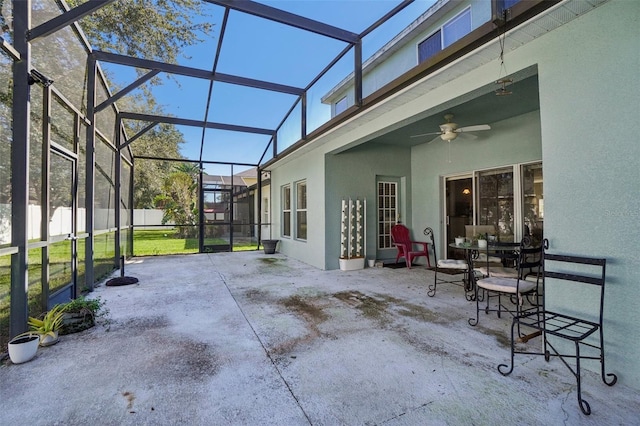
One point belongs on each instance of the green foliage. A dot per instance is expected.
(82, 304)
(49, 324)
(180, 201)
(150, 29)
(156, 30)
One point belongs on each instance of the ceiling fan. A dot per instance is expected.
(450, 130)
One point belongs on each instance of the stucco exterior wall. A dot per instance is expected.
(588, 126)
(353, 174)
(589, 96)
(310, 167)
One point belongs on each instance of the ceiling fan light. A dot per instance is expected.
(448, 136)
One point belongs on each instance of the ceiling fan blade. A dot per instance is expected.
(437, 138)
(468, 136)
(425, 134)
(473, 128)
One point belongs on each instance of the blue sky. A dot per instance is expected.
(260, 49)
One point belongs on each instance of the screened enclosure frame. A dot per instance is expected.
(25, 78)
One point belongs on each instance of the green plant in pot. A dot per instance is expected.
(48, 326)
(80, 314)
(482, 240)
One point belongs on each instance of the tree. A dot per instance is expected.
(162, 141)
(156, 30)
(150, 29)
(180, 201)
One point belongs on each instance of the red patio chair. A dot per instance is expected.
(402, 241)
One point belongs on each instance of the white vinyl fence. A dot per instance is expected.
(60, 223)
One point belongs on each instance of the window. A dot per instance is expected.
(456, 28)
(286, 211)
(511, 199)
(452, 31)
(265, 210)
(341, 105)
(495, 201)
(429, 47)
(301, 210)
(387, 212)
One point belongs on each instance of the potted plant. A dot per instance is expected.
(80, 314)
(23, 347)
(482, 240)
(459, 241)
(269, 246)
(47, 327)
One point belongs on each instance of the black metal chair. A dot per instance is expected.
(526, 282)
(447, 271)
(499, 260)
(577, 327)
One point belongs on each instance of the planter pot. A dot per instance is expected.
(269, 246)
(459, 241)
(482, 243)
(74, 322)
(372, 263)
(23, 348)
(48, 340)
(352, 264)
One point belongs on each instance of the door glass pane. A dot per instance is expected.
(533, 202)
(217, 207)
(387, 212)
(217, 236)
(60, 195)
(459, 199)
(62, 125)
(495, 201)
(217, 220)
(60, 272)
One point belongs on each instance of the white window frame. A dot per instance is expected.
(454, 20)
(340, 105)
(286, 211)
(442, 29)
(300, 208)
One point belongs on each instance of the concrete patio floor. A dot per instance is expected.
(252, 339)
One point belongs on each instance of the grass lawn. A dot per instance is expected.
(145, 243)
(164, 241)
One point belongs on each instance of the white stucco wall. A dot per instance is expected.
(588, 126)
(309, 167)
(590, 104)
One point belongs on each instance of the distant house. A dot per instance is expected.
(557, 84)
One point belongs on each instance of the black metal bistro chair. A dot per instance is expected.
(446, 271)
(513, 289)
(578, 326)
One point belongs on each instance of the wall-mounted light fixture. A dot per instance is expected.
(466, 191)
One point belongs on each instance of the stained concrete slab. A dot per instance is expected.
(255, 339)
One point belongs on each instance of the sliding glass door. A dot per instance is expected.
(496, 201)
(510, 198)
